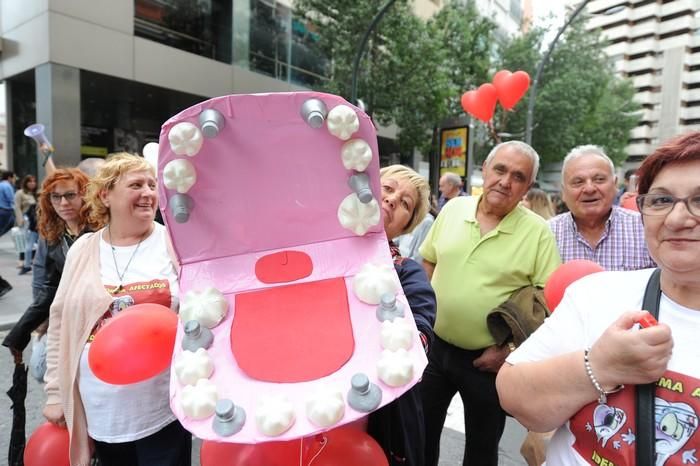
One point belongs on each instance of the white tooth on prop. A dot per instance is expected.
(179, 175)
(395, 368)
(185, 139)
(372, 281)
(356, 155)
(192, 366)
(342, 122)
(274, 415)
(396, 334)
(356, 216)
(199, 401)
(325, 408)
(150, 153)
(208, 307)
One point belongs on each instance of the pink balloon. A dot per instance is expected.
(480, 103)
(49, 444)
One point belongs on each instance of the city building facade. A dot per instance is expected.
(656, 44)
(103, 75)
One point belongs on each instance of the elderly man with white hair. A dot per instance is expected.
(594, 228)
(450, 186)
(479, 251)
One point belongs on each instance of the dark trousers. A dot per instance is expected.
(170, 446)
(451, 370)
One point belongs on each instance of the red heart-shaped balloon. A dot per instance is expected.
(480, 103)
(511, 87)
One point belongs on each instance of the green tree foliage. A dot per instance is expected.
(412, 72)
(579, 99)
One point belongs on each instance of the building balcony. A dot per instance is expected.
(677, 24)
(644, 80)
(644, 29)
(689, 113)
(646, 45)
(639, 149)
(647, 97)
(643, 132)
(644, 63)
(677, 6)
(690, 95)
(645, 11)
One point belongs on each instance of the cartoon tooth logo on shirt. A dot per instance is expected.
(607, 421)
(675, 424)
(605, 433)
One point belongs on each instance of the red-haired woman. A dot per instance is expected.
(582, 369)
(61, 221)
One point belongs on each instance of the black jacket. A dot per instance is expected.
(38, 311)
(398, 427)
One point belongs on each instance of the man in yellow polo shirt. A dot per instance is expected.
(478, 252)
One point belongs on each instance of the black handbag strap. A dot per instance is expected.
(645, 437)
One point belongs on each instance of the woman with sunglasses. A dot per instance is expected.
(61, 220)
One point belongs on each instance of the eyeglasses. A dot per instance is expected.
(662, 204)
(56, 198)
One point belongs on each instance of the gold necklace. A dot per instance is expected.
(119, 288)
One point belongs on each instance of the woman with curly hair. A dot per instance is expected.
(61, 220)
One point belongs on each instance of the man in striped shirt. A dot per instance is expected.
(595, 229)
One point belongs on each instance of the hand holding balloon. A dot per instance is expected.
(47, 445)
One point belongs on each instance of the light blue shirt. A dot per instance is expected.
(7, 195)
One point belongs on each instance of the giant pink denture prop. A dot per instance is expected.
(272, 204)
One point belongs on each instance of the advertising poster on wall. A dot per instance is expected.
(453, 150)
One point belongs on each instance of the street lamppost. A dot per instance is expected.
(540, 67)
(533, 90)
(361, 48)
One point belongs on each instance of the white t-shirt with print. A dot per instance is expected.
(123, 413)
(604, 434)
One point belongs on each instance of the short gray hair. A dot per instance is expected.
(522, 148)
(586, 149)
(453, 178)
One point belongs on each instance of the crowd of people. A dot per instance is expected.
(461, 260)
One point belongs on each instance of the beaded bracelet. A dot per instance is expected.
(602, 394)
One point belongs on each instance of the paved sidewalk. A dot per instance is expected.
(13, 304)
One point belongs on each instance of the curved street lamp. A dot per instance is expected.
(540, 67)
(533, 90)
(361, 48)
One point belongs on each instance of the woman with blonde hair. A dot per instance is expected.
(538, 201)
(398, 426)
(126, 262)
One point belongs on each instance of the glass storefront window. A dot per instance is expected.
(121, 115)
(202, 27)
(284, 47)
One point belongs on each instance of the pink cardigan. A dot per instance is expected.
(80, 301)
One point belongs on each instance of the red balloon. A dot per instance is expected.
(630, 203)
(480, 103)
(48, 445)
(343, 446)
(135, 345)
(564, 276)
(511, 87)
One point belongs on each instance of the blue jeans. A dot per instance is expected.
(451, 370)
(32, 238)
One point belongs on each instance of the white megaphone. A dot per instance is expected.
(36, 132)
